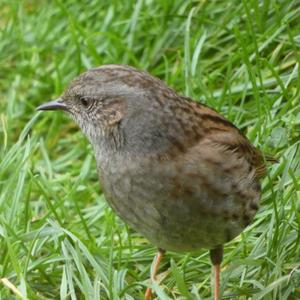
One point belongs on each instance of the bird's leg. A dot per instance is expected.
(216, 256)
(155, 263)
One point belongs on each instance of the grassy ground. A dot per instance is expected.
(58, 238)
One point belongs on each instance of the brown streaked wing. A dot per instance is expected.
(218, 129)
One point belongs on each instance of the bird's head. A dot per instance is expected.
(111, 98)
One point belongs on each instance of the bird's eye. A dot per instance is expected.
(84, 101)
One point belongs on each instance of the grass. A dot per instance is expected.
(59, 239)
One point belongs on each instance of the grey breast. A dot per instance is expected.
(184, 205)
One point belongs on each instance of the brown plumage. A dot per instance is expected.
(175, 170)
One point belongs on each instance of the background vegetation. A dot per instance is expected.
(58, 238)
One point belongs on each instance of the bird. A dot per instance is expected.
(177, 171)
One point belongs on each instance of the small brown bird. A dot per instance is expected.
(175, 170)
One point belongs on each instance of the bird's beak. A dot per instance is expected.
(57, 104)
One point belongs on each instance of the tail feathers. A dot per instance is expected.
(271, 159)
(261, 162)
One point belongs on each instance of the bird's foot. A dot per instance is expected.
(155, 265)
